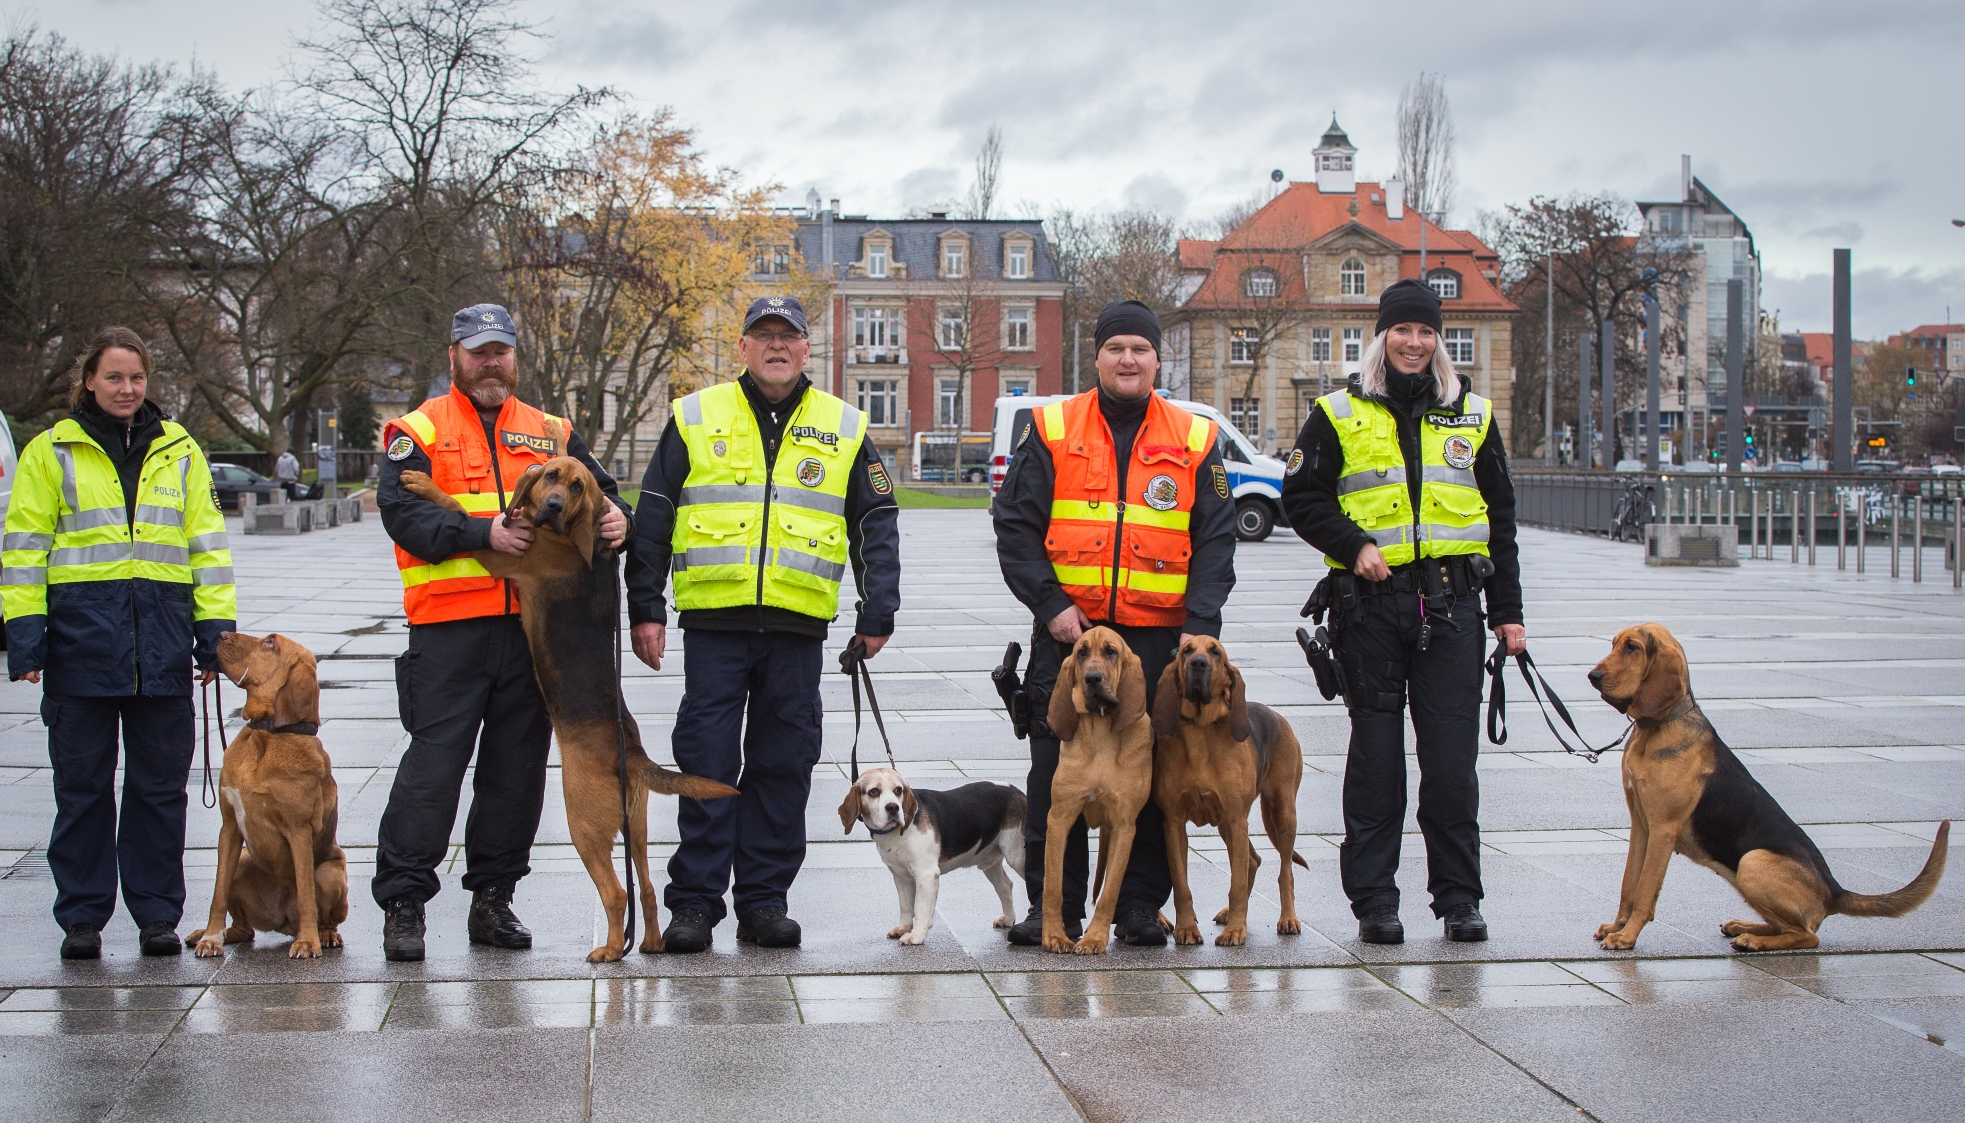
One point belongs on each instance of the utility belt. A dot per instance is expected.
(1341, 595)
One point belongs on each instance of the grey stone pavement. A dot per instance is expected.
(1843, 692)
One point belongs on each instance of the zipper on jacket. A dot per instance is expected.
(498, 481)
(764, 524)
(129, 528)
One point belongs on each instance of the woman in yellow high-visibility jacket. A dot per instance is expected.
(116, 577)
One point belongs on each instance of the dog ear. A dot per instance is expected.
(299, 696)
(1132, 693)
(1238, 703)
(849, 808)
(521, 503)
(1666, 679)
(910, 806)
(1166, 701)
(586, 528)
(1062, 716)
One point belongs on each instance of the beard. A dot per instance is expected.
(489, 388)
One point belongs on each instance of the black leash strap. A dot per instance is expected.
(1497, 706)
(627, 799)
(209, 795)
(853, 661)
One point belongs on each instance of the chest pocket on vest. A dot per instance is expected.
(1459, 502)
(451, 460)
(1158, 553)
(806, 530)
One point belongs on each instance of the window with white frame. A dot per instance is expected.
(1320, 345)
(955, 257)
(1459, 344)
(878, 328)
(771, 260)
(1259, 282)
(1354, 344)
(948, 394)
(880, 400)
(954, 325)
(1015, 385)
(877, 260)
(1351, 277)
(1242, 345)
(1017, 263)
(1016, 329)
(1245, 414)
(1445, 282)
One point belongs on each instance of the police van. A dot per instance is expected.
(1255, 480)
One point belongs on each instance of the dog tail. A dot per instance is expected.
(1907, 898)
(1298, 859)
(666, 782)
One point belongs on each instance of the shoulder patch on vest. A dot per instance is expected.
(544, 446)
(1162, 493)
(1220, 481)
(1296, 462)
(877, 476)
(1459, 451)
(401, 447)
(811, 473)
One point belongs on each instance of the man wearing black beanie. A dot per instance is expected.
(1401, 480)
(1116, 482)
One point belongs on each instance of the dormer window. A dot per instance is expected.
(1260, 283)
(1445, 283)
(1351, 277)
(955, 256)
(877, 259)
(1016, 260)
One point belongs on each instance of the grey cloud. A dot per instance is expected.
(1882, 301)
(927, 186)
(1841, 233)
(1154, 191)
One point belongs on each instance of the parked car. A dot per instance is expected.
(231, 480)
(1255, 480)
(7, 463)
(1787, 466)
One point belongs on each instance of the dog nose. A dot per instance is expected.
(1596, 677)
(893, 807)
(1094, 677)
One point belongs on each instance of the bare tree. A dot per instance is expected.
(1101, 258)
(989, 168)
(1426, 146)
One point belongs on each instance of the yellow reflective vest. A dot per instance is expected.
(1372, 486)
(743, 537)
(103, 603)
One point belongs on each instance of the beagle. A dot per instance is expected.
(923, 834)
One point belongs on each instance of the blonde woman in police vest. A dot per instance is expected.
(1401, 480)
(117, 579)
(761, 493)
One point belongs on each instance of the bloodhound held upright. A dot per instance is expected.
(567, 584)
(1689, 794)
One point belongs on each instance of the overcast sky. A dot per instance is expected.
(1822, 123)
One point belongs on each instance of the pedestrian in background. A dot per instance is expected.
(287, 470)
(117, 579)
(1401, 480)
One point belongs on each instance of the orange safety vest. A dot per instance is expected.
(450, 433)
(1123, 558)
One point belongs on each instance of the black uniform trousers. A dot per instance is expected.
(91, 843)
(1147, 883)
(464, 686)
(1443, 684)
(751, 718)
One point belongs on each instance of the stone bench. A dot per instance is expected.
(1679, 544)
(296, 518)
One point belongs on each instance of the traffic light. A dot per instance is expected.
(1910, 381)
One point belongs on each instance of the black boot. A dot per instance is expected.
(1029, 932)
(1465, 924)
(82, 942)
(492, 921)
(402, 930)
(767, 926)
(1380, 925)
(688, 931)
(1140, 927)
(160, 939)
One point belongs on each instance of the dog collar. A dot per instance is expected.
(302, 728)
(889, 830)
(1679, 709)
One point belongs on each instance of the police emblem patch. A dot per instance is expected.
(1296, 462)
(1162, 493)
(877, 476)
(811, 473)
(719, 448)
(1220, 481)
(401, 447)
(1459, 451)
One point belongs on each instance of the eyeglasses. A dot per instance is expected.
(769, 337)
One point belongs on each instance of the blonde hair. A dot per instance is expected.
(1371, 371)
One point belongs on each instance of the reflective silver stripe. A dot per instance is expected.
(809, 563)
(1438, 533)
(24, 575)
(849, 422)
(29, 540)
(810, 500)
(212, 575)
(722, 493)
(92, 555)
(66, 456)
(709, 555)
(183, 483)
(691, 408)
(1363, 481)
(1339, 405)
(159, 516)
(1458, 477)
(159, 552)
(90, 520)
(209, 543)
(1398, 535)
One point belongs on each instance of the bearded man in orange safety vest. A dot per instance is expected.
(466, 681)
(1116, 512)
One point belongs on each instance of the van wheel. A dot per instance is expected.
(1253, 522)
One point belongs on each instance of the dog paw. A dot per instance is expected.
(1606, 929)
(1618, 941)
(330, 938)
(1289, 926)
(913, 939)
(304, 947)
(1058, 943)
(207, 947)
(1221, 917)
(1735, 927)
(1234, 936)
(651, 944)
(1187, 935)
(1165, 924)
(1092, 943)
(899, 930)
(606, 953)
(1001, 922)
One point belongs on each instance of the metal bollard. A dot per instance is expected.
(1958, 541)
(1916, 539)
(1811, 524)
(1862, 530)
(1794, 528)
(1896, 546)
(1841, 532)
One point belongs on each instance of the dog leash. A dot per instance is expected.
(209, 796)
(1497, 705)
(853, 661)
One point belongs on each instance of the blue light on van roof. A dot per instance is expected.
(1016, 391)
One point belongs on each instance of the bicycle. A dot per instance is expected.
(1635, 510)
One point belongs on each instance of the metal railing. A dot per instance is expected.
(1798, 514)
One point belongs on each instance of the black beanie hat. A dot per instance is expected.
(1408, 302)
(1126, 317)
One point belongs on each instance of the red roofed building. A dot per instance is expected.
(1280, 310)
(1942, 346)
